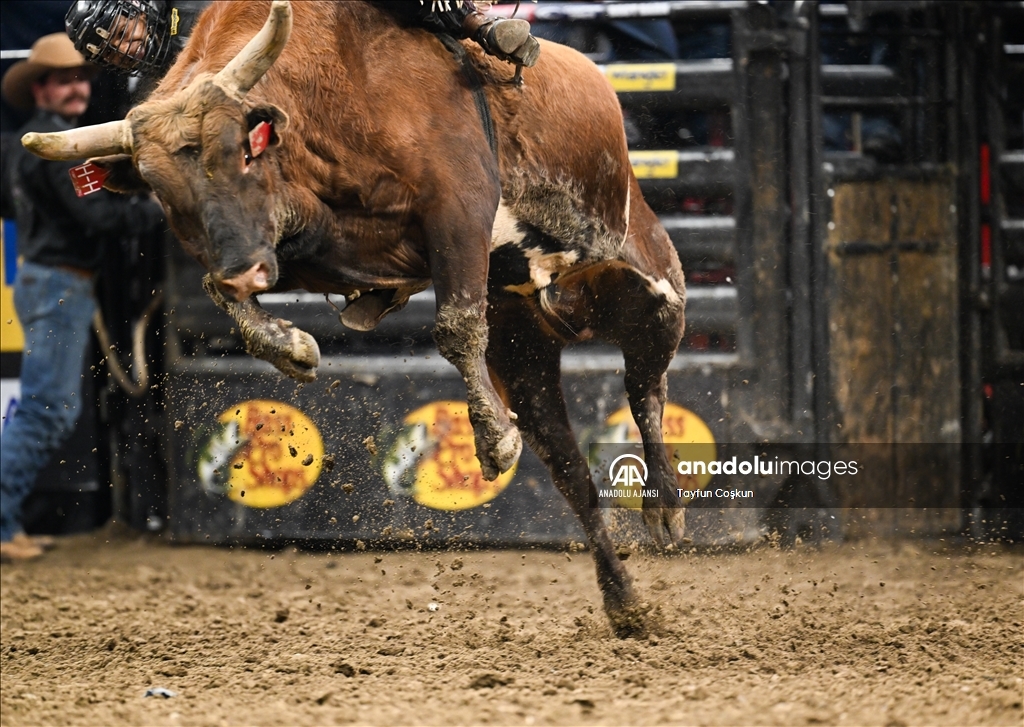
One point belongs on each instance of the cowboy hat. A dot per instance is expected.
(49, 53)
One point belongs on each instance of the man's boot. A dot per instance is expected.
(46, 542)
(18, 550)
(506, 38)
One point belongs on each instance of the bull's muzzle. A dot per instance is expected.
(256, 279)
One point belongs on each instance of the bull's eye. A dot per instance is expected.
(248, 157)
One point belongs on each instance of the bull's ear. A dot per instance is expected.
(277, 119)
(122, 175)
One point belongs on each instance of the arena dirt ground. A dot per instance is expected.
(864, 633)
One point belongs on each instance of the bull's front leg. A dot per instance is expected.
(292, 351)
(459, 267)
(461, 335)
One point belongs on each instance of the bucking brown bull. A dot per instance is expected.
(339, 152)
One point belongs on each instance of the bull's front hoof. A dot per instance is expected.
(507, 452)
(502, 456)
(300, 359)
(667, 525)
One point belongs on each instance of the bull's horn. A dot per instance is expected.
(113, 137)
(259, 54)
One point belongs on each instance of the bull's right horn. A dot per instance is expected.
(113, 137)
(259, 54)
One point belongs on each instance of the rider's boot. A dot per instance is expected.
(506, 38)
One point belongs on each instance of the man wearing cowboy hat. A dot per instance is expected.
(61, 240)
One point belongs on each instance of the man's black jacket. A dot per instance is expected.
(56, 227)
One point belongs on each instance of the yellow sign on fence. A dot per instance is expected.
(12, 339)
(626, 77)
(433, 459)
(261, 453)
(654, 164)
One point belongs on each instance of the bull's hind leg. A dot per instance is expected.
(643, 316)
(525, 361)
(647, 391)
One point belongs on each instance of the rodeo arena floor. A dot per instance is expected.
(859, 633)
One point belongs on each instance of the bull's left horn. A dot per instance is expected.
(113, 137)
(259, 54)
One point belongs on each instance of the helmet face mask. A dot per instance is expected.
(129, 35)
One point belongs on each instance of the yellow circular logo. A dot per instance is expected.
(263, 454)
(685, 434)
(433, 459)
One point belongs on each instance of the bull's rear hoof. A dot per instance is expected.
(629, 622)
(667, 525)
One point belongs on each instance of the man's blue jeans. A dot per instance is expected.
(55, 308)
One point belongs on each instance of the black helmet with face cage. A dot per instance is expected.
(128, 35)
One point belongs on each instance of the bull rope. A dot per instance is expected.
(476, 85)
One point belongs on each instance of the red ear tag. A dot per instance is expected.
(259, 138)
(88, 178)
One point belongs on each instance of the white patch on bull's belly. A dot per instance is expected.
(506, 228)
(544, 266)
(543, 269)
(543, 263)
(662, 287)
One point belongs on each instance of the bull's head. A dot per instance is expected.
(192, 149)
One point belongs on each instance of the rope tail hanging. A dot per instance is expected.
(133, 388)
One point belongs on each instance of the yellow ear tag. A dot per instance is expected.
(174, 21)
